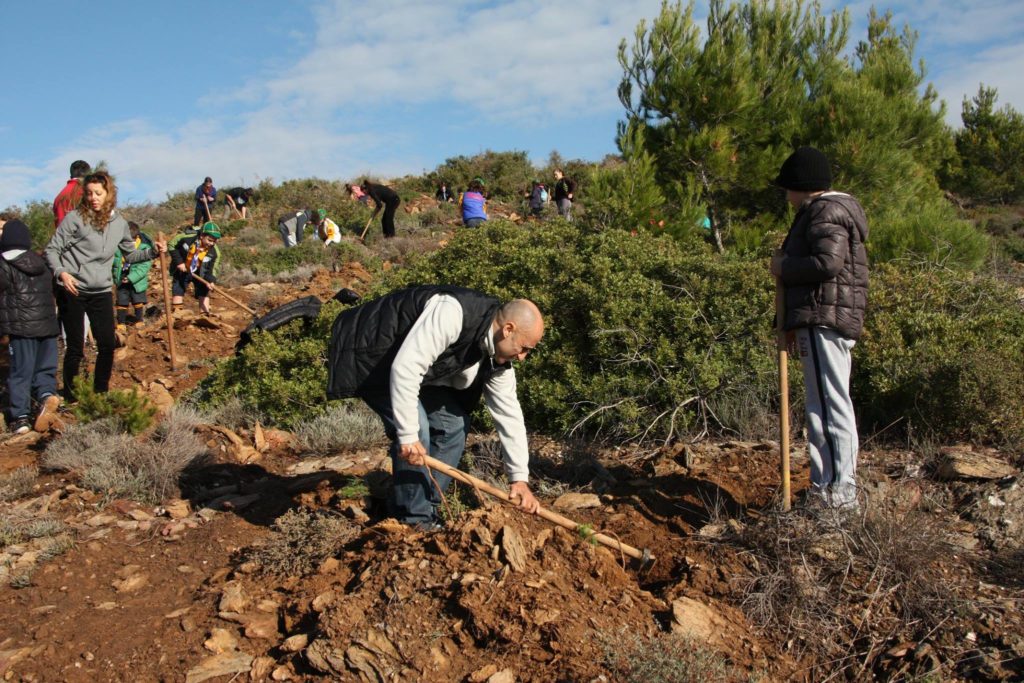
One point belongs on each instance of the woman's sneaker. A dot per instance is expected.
(48, 417)
(21, 426)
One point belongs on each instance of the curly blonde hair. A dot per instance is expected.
(100, 218)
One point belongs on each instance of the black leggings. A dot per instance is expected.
(100, 309)
(387, 221)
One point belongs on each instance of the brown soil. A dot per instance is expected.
(171, 593)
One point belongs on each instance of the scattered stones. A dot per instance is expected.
(177, 509)
(221, 640)
(261, 667)
(311, 465)
(577, 501)
(220, 665)
(233, 598)
(961, 462)
(100, 520)
(503, 676)
(483, 673)
(295, 643)
(512, 547)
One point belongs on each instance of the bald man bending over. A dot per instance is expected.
(421, 358)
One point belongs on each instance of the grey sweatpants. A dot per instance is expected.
(832, 442)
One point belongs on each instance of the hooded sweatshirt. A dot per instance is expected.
(88, 253)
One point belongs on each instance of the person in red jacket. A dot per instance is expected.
(71, 196)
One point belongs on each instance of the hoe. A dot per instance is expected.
(644, 556)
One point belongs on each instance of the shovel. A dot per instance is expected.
(168, 308)
(362, 235)
(780, 342)
(215, 288)
(644, 556)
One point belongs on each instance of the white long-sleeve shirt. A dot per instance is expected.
(437, 328)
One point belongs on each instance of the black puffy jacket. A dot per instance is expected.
(26, 297)
(365, 339)
(825, 269)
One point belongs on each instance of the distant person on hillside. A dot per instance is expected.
(70, 197)
(537, 197)
(29, 319)
(327, 231)
(473, 204)
(565, 191)
(383, 196)
(206, 197)
(356, 193)
(195, 255)
(823, 269)
(292, 226)
(132, 281)
(444, 194)
(238, 199)
(81, 255)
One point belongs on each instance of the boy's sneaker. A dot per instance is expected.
(48, 417)
(21, 426)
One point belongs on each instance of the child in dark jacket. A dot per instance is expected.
(195, 255)
(28, 316)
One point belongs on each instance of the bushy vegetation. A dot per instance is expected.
(109, 461)
(345, 424)
(127, 410)
(990, 149)
(647, 339)
(302, 541)
(721, 109)
(943, 353)
(667, 658)
(280, 377)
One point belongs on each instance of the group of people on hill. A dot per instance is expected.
(472, 202)
(67, 288)
(422, 357)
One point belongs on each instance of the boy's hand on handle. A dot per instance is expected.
(527, 501)
(182, 267)
(161, 246)
(68, 281)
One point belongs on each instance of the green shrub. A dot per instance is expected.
(271, 260)
(130, 411)
(280, 377)
(667, 658)
(648, 339)
(943, 351)
(303, 540)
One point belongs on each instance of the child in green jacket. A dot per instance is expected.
(132, 281)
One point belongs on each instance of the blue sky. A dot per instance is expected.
(170, 92)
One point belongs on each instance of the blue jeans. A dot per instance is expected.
(444, 424)
(33, 371)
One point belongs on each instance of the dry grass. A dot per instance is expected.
(303, 540)
(344, 426)
(17, 483)
(232, 414)
(47, 536)
(668, 658)
(121, 466)
(829, 583)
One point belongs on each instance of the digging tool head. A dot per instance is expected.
(647, 561)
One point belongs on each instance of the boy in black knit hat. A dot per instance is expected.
(28, 316)
(823, 268)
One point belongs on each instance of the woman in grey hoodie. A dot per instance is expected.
(81, 255)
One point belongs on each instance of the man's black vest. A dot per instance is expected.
(366, 339)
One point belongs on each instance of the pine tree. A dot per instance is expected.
(991, 150)
(720, 113)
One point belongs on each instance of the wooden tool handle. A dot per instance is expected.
(552, 517)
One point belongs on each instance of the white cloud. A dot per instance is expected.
(999, 67)
(520, 62)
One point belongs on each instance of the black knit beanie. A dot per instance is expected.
(16, 236)
(807, 170)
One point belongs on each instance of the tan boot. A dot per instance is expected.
(48, 417)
